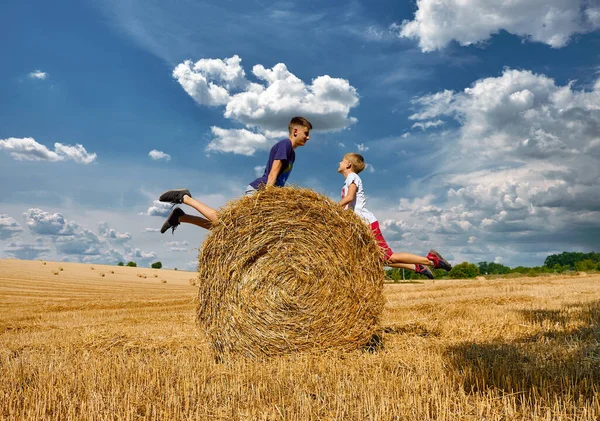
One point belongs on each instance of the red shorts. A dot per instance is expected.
(385, 249)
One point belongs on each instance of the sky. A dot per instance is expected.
(479, 120)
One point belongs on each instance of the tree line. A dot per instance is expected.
(554, 263)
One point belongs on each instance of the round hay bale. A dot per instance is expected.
(288, 270)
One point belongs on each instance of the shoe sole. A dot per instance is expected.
(166, 228)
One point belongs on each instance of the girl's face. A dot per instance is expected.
(344, 165)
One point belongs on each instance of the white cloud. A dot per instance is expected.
(522, 169)
(239, 141)
(259, 170)
(110, 234)
(38, 74)
(72, 241)
(361, 147)
(29, 150)
(178, 246)
(27, 250)
(553, 22)
(142, 258)
(159, 209)
(44, 223)
(151, 230)
(265, 107)
(156, 155)
(202, 80)
(9, 227)
(75, 153)
(427, 124)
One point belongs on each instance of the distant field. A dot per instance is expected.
(94, 342)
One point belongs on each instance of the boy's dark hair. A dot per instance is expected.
(299, 121)
(357, 161)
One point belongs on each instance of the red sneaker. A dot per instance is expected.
(424, 270)
(438, 261)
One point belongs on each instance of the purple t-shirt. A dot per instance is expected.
(281, 151)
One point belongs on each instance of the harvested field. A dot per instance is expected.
(80, 346)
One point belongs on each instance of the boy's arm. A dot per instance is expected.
(350, 195)
(275, 168)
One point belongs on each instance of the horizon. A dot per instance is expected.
(480, 122)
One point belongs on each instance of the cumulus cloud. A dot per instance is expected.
(141, 257)
(361, 147)
(156, 155)
(45, 223)
(177, 246)
(239, 141)
(525, 167)
(151, 230)
(265, 106)
(110, 234)
(553, 22)
(72, 241)
(159, 209)
(9, 227)
(27, 149)
(27, 250)
(427, 125)
(38, 74)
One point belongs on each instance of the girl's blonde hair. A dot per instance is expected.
(357, 161)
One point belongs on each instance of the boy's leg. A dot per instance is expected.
(204, 209)
(196, 220)
(177, 216)
(184, 196)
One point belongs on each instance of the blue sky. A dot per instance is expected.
(480, 120)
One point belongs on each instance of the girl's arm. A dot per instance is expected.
(350, 195)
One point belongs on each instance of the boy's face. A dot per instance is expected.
(344, 165)
(301, 135)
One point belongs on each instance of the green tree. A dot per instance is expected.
(492, 268)
(121, 264)
(132, 264)
(570, 259)
(587, 264)
(464, 270)
(156, 265)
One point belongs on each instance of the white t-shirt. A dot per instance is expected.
(359, 204)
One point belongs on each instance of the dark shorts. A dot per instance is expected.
(387, 251)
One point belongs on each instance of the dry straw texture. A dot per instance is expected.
(288, 270)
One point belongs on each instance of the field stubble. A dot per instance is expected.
(81, 346)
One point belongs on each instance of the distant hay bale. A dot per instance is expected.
(288, 270)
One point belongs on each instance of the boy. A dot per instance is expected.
(353, 197)
(279, 166)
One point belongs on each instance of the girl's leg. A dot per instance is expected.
(407, 266)
(420, 269)
(408, 258)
